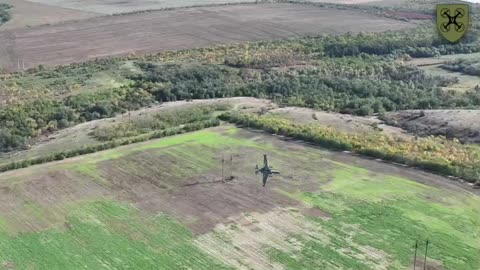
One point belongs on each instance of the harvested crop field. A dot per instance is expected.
(161, 205)
(27, 14)
(113, 6)
(152, 32)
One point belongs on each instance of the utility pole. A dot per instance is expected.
(425, 261)
(246, 56)
(231, 167)
(415, 255)
(225, 54)
(223, 168)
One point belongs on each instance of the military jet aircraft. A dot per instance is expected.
(266, 170)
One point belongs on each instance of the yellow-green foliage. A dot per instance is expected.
(434, 153)
(158, 121)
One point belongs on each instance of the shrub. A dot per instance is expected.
(447, 157)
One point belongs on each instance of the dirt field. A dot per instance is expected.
(347, 2)
(152, 32)
(461, 124)
(344, 122)
(112, 7)
(432, 67)
(387, 3)
(135, 204)
(27, 14)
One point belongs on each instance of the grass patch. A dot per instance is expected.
(90, 170)
(391, 213)
(143, 124)
(184, 148)
(106, 235)
(316, 255)
(203, 137)
(437, 154)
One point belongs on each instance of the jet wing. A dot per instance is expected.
(265, 177)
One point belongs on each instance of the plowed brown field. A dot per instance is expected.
(152, 32)
(162, 204)
(27, 14)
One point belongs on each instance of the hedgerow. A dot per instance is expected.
(437, 154)
(108, 145)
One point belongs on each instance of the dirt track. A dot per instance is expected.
(460, 124)
(152, 32)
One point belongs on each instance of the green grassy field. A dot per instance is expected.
(390, 214)
(127, 208)
(107, 235)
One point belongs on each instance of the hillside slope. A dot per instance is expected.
(162, 204)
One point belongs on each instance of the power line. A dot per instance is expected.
(425, 261)
(415, 255)
(231, 167)
(223, 168)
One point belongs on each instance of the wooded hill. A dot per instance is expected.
(358, 74)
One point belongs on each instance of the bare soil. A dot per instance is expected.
(152, 32)
(202, 201)
(240, 209)
(24, 201)
(152, 180)
(429, 265)
(251, 233)
(343, 122)
(113, 6)
(347, 2)
(27, 14)
(461, 124)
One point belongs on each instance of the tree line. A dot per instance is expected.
(447, 157)
(110, 144)
(4, 14)
(158, 121)
(466, 66)
(360, 85)
(356, 74)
